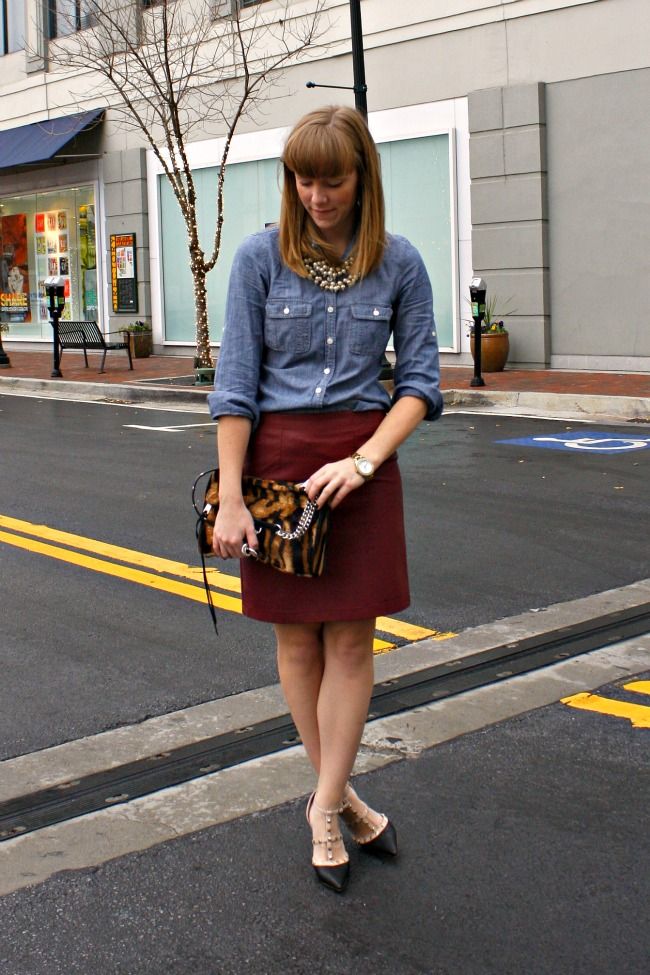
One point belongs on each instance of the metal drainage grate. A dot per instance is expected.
(145, 776)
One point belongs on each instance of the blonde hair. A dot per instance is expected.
(329, 142)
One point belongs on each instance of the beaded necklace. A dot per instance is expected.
(331, 278)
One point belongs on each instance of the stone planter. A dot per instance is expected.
(141, 344)
(494, 350)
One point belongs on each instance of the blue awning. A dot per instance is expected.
(41, 141)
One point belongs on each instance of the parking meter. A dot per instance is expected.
(55, 291)
(477, 292)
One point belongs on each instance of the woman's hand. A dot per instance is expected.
(332, 482)
(233, 528)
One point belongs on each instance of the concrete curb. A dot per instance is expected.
(565, 405)
(282, 777)
(579, 406)
(105, 392)
(51, 766)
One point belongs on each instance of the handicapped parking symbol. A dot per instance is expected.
(591, 441)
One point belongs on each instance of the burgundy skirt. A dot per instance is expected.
(365, 570)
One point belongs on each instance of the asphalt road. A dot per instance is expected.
(524, 849)
(494, 529)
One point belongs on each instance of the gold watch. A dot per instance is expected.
(363, 466)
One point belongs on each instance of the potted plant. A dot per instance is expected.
(495, 344)
(140, 337)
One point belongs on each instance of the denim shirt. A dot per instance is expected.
(289, 345)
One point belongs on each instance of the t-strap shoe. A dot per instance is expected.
(334, 873)
(373, 832)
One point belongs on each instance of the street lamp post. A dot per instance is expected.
(360, 89)
(358, 64)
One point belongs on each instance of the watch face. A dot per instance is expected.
(364, 467)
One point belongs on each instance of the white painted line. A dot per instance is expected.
(175, 429)
(452, 411)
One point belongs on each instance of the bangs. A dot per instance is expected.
(318, 150)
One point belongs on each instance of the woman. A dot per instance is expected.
(310, 310)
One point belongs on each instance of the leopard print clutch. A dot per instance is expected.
(291, 529)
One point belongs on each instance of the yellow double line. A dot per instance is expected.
(155, 572)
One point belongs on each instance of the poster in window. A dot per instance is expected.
(124, 279)
(14, 269)
(51, 238)
(88, 259)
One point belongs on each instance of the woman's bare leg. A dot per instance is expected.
(327, 674)
(300, 667)
(343, 703)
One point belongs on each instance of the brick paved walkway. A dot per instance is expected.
(38, 365)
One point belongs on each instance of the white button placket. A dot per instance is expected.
(330, 334)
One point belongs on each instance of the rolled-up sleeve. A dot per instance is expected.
(238, 367)
(417, 367)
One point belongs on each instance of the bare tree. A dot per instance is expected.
(165, 66)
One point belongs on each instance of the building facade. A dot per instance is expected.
(515, 144)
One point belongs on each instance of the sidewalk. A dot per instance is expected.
(623, 396)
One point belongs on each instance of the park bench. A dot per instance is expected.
(87, 337)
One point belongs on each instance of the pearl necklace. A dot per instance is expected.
(331, 278)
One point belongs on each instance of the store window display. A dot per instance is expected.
(42, 235)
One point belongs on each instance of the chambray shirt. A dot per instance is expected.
(289, 345)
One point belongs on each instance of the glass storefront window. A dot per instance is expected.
(252, 200)
(417, 187)
(45, 234)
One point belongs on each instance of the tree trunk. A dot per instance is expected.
(203, 357)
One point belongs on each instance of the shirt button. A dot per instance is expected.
(375, 312)
(330, 341)
(318, 390)
(286, 311)
(327, 371)
(330, 309)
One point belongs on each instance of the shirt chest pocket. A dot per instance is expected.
(370, 329)
(287, 326)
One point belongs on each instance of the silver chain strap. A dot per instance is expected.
(305, 521)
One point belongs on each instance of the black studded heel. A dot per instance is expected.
(372, 837)
(334, 875)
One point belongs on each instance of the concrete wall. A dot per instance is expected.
(510, 214)
(599, 218)
(126, 212)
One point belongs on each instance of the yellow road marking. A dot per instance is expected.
(380, 646)
(122, 572)
(179, 569)
(638, 686)
(65, 541)
(408, 630)
(230, 603)
(637, 714)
